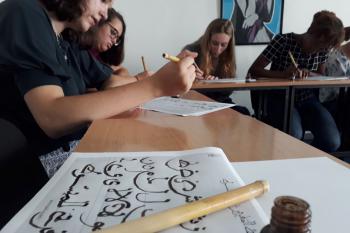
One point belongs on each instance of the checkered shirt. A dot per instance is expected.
(277, 53)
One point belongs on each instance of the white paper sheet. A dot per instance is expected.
(184, 107)
(322, 182)
(326, 78)
(96, 190)
(229, 80)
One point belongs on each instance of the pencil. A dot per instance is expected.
(176, 59)
(143, 63)
(293, 60)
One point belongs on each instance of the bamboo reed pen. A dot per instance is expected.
(144, 64)
(176, 59)
(293, 60)
(172, 217)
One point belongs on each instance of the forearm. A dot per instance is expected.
(66, 114)
(118, 80)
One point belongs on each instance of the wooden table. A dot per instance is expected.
(270, 84)
(241, 137)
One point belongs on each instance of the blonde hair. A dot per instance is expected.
(227, 60)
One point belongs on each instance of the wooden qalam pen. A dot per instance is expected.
(293, 60)
(176, 59)
(172, 217)
(171, 58)
(143, 63)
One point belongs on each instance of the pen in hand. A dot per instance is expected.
(176, 59)
(302, 73)
(143, 63)
(293, 61)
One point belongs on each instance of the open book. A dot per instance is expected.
(92, 191)
(184, 107)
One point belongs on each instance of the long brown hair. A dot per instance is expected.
(227, 60)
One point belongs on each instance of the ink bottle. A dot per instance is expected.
(289, 215)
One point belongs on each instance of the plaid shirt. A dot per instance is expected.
(277, 53)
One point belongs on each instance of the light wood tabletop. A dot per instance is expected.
(241, 137)
(268, 83)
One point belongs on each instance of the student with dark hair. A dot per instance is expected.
(44, 78)
(216, 57)
(310, 51)
(105, 42)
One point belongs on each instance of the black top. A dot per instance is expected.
(30, 56)
(220, 96)
(277, 53)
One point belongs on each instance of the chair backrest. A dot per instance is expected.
(13, 143)
(21, 173)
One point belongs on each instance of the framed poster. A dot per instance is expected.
(255, 21)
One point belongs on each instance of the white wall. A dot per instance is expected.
(157, 26)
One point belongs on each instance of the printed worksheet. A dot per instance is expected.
(229, 80)
(326, 78)
(184, 107)
(92, 191)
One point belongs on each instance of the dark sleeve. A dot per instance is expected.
(192, 47)
(195, 47)
(29, 79)
(273, 50)
(27, 39)
(93, 71)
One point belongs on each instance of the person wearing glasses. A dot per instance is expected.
(216, 58)
(44, 78)
(105, 42)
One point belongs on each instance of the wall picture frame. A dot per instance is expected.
(255, 21)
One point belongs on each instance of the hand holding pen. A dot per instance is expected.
(199, 72)
(295, 71)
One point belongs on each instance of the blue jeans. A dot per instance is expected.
(307, 115)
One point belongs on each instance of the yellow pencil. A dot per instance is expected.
(143, 63)
(176, 59)
(293, 60)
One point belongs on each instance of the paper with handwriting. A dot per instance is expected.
(92, 191)
(184, 107)
(228, 80)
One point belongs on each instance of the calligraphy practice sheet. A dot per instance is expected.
(229, 80)
(92, 191)
(325, 78)
(184, 107)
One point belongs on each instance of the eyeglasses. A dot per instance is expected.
(114, 34)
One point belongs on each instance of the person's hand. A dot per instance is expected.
(199, 74)
(211, 77)
(249, 21)
(303, 73)
(176, 78)
(143, 75)
(294, 73)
